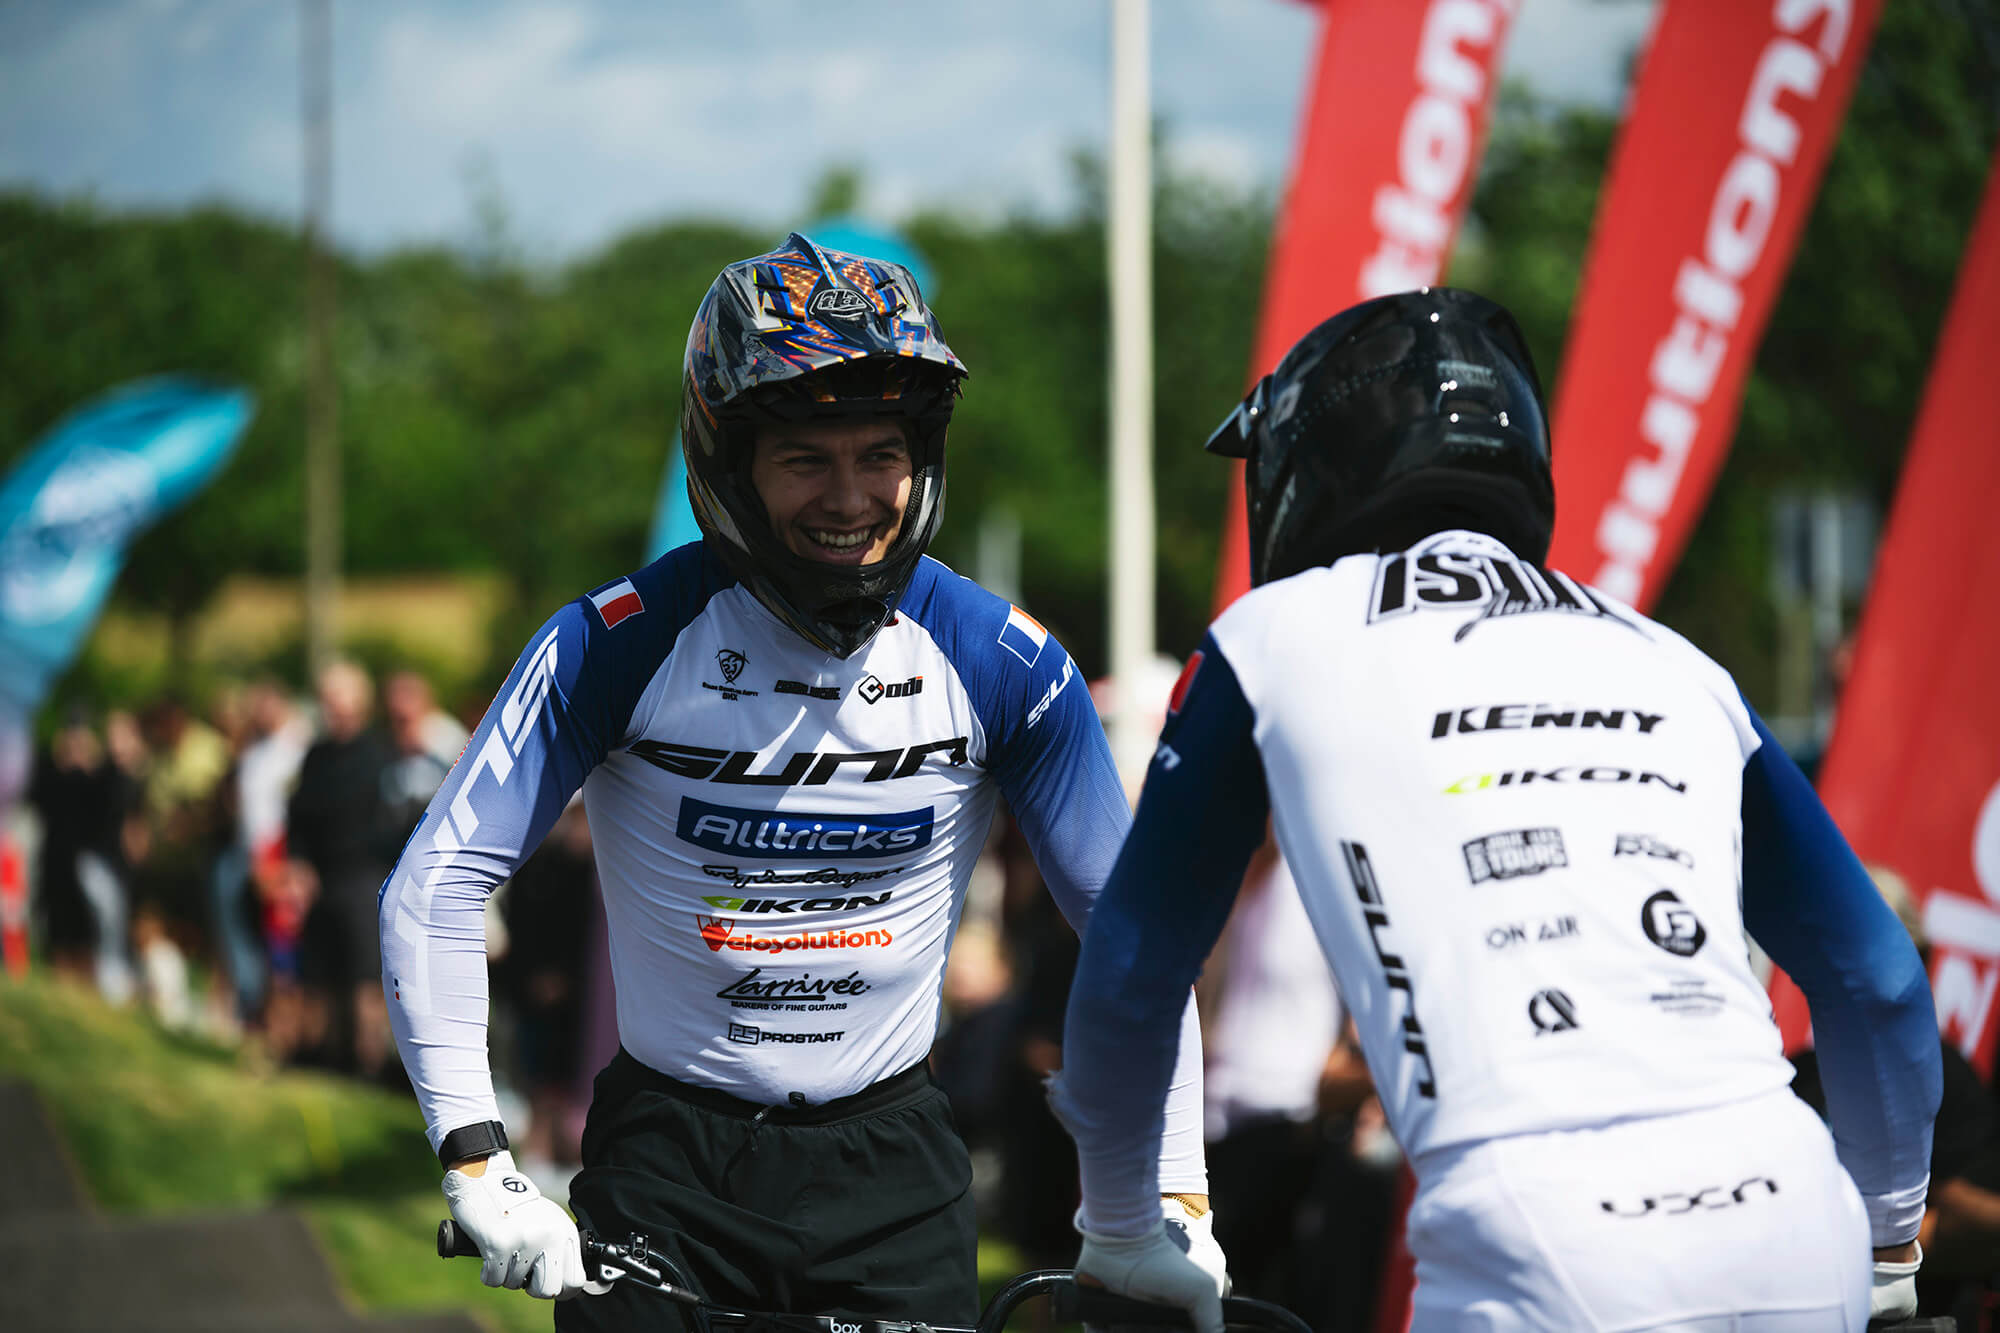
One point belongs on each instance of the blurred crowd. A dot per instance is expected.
(223, 870)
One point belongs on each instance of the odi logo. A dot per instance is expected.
(796, 835)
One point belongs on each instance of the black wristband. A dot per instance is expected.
(481, 1140)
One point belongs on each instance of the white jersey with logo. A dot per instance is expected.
(1520, 855)
(783, 837)
(1532, 830)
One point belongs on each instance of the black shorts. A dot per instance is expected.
(861, 1206)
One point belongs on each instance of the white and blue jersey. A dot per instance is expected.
(1530, 827)
(783, 837)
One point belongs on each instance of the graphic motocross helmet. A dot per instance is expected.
(804, 333)
(1394, 419)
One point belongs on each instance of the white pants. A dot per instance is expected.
(1735, 1219)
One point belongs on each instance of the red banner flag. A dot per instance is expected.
(1736, 109)
(1912, 771)
(1394, 127)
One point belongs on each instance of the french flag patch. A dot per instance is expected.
(1023, 635)
(617, 601)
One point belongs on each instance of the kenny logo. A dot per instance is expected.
(1517, 852)
(1459, 581)
(805, 768)
(798, 835)
(1568, 773)
(1533, 717)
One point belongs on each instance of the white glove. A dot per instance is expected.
(1894, 1295)
(1200, 1233)
(1179, 1264)
(524, 1239)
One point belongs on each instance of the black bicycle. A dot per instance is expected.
(636, 1261)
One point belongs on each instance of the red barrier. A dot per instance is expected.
(1716, 168)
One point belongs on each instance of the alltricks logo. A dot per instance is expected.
(1413, 215)
(1708, 289)
(794, 835)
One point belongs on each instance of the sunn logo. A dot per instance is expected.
(1708, 1200)
(1394, 975)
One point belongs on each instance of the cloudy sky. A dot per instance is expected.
(592, 116)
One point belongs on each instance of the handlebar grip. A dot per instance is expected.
(454, 1243)
(1073, 1302)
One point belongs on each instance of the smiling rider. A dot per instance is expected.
(791, 737)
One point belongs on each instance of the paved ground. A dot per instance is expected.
(71, 1270)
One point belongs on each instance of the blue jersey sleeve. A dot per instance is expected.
(1201, 816)
(1808, 901)
(1045, 744)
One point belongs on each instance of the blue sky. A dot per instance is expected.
(589, 118)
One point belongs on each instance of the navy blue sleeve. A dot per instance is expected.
(1045, 743)
(1811, 905)
(1201, 817)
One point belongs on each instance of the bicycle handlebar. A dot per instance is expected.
(1070, 1301)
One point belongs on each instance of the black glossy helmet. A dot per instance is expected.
(800, 334)
(1394, 419)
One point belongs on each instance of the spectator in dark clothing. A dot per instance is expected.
(334, 824)
(416, 768)
(84, 799)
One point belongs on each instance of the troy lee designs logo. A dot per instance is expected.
(1459, 581)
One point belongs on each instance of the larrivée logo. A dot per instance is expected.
(800, 835)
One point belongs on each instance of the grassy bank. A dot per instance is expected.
(159, 1123)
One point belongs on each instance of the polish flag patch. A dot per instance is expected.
(1023, 635)
(617, 601)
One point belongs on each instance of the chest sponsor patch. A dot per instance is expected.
(801, 835)
(1517, 852)
(720, 932)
